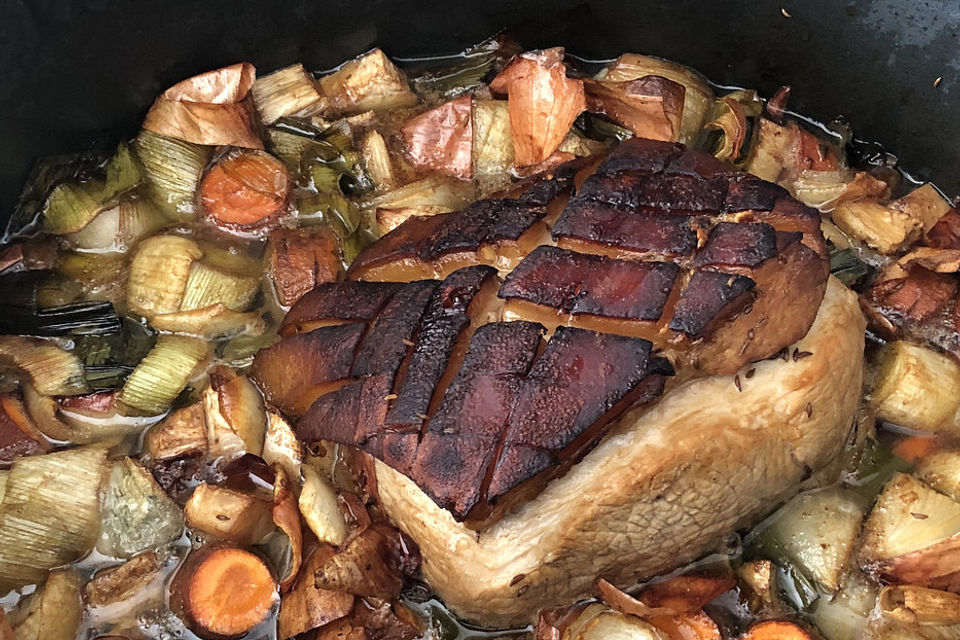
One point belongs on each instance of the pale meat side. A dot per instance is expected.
(662, 489)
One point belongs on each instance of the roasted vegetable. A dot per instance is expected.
(916, 387)
(71, 207)
(51, 370)
(231, 515)
(225, 591)
(163, 374)
(137, 514)
(234, 412)
(182, 433)
(307, 607)
(120, 227)
(281, 447)
(817, 532)
(286, 517)
(53, 612)
(370, 82)
(321, 508)
(297, 260)
(172, 169)
(543, 103)
(211, 108)
(245, 190)
(376, 160)
(49, 514)
(288, 91)
(441, 139)
(124, 582)
(492, 140)
(159, 273)
(649, 106)
(912, 535)
(697, 97)
(883, 228)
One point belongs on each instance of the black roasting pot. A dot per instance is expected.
(78, 74)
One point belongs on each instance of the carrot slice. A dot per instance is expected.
(244, 189)
(228, 591)
(775, 630)
(914, 448)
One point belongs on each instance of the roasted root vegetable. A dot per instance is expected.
(234, 408)
(916, 387)
(163, 374)
(286, 92)
(306, 606)
(441, 139)
(824, 190)
(297, 260)
(321, 508)
(49, 514)
(213, 322)
(159, 272)
(776, 630)
(281, 447)
(941, 469)
(919, 605)
(225, 591)
(245, 190)
(376, 160)
(883, 228)
(212, 108)
(137, 515)
(492, 141)
(370, 82)
(926, 204)
(781, 152)
(53, 612)
(597, 622)
(912, 535)
(116, 584)
(286, 517)
(373, 564)
(51, 370)
(543, 103)
(182, 433)
(230, 515)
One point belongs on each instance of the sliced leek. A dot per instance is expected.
(916, 387)
(123, 173)
(285, 92)
(376, 159)
(492, 141)
(159, 273)
(51, 370)
(215, 322)
(71, 206)
(137, 514)
(50, 513)
(163, 374)
(172, 170)
(370, 82)
(208, 285)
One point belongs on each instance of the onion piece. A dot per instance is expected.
(650, 106)
(49, 514)
(697, 98)
(925, 203)
(53, 612)
(543, 103)
(885, 229)
(441, 139)
(286, 517)
(233, 403)
(51, 370)
(321, 509)
(281, 448)
(913, 535)
(434, 190)
(211, 108)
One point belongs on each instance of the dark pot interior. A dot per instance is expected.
(76, 74)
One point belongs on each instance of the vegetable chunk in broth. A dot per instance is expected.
(358, 354)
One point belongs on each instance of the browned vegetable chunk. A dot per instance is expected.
(300, 368)
(650, 106)
(300, 259)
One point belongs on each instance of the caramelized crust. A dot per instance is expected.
(659, 248)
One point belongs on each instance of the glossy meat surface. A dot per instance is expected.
(498, 344)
